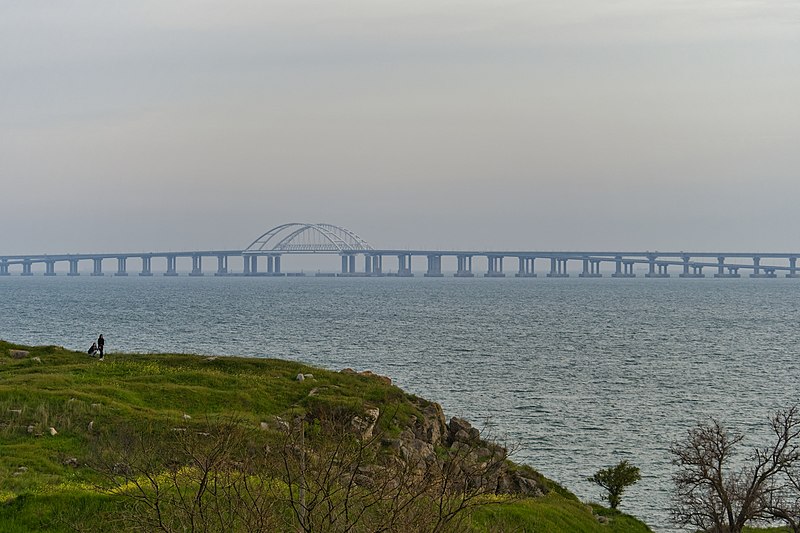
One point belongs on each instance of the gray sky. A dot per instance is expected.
(634, 124)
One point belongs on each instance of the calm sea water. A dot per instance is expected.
(579, 373)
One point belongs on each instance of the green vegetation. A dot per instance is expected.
(615, 480)
(47, 484)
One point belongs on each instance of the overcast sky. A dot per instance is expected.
(633, 124)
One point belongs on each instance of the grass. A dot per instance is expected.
(41, 488)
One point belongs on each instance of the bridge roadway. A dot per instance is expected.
(267, 262)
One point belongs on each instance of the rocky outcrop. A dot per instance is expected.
(18, 354)
(429, 442)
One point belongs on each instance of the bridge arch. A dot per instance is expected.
(299, 237)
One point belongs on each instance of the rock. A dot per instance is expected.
(283, 425)
(461, 436)
(186, 417)
(30, 429)
(36, 359)
(18, 354)
(212, 358)
(97, 405)
(602, 519)
(90, 427)
(308, 376)
(386, 380)
(22, 469)
(457, 424)
(71, 461)
(53, 431)
(264, 426)
(432, 427)
(366, 425)
(300, 377)
(348, 371)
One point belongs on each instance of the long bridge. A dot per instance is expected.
(263, 258)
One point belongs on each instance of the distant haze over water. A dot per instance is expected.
(581, 373)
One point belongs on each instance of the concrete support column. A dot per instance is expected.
(277, 264)
(377, 264)
(352, 264)
(270, 264)
(434, 266)
(222, 265)
(26, 267)
(98, 266)
(553, 268)
(246, 265)
(49, 268)
(146, 266)
(367, 264)
(4, 268)
(652, 270)
(756, 266)
(172, 266)
(344, 264)
(73, 268)
(197, 265)
(254, 265)
(792, 268)
(122, 263)
(464, 267)
(686, 264)
(720, 265)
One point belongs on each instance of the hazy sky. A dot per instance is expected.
(569, 124)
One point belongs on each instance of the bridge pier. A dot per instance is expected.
(792, 268)
(732, 272)
(367, 264)
(4, 268)
(495, 270)
(73, 268)
(172, 269)
(97, 269)
(122, 266)
(404, 266)
(623, 269)
(591, 268)
(377, 265)
(526, 268)
(197, 265)
(558, 268)
(434, 267)
(49, 268)
(768, 272)
(26, 267)
(349, 265)
(146, 272)
(696, 270)
(464, 267)
(653, 266)
(222, 265)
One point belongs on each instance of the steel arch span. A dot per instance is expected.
(299, 238)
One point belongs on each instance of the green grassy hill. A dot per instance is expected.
(57, 406)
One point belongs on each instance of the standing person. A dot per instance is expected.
(100, 344)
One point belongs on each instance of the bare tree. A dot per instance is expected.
(712, 495)
(338, 481)
(208, 478)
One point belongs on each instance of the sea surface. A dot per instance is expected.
(576, 374)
